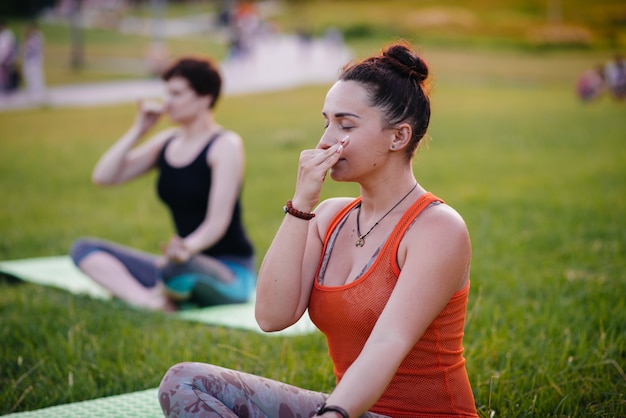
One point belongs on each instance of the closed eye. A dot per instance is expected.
(342, 120)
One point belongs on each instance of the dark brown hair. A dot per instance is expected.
(396, 83)
(201, 74)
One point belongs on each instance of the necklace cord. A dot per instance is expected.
(361, 240)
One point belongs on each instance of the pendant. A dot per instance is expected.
(359, 242)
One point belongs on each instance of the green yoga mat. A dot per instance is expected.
(60, 272)
(142, 404)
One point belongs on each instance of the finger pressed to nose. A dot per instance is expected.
(326, 141)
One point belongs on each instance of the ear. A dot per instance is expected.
(401, 136)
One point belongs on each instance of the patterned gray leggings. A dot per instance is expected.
(206, 391)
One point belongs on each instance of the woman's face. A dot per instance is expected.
(347, 112)
(182, 102)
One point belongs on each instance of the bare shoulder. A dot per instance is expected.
(230, 139)
(439, 224)
(444, 216)
(326, 211)
(228, 147)
(330, 207)
(164, 135)
(156, 142)
(439, 240)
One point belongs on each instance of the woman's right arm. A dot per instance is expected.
(284, 280)
(123, 161)
(286, 275)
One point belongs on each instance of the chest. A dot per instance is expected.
(345, 261)
(179, 154)
(185, 185)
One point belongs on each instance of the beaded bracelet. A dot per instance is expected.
(288, 208)
(330, 408)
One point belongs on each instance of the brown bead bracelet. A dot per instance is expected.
(331, 408)
(288, 208)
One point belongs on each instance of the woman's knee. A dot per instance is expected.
(183, 374)
(177, 386)
(173, 375)
(81, 248)
(170, 386)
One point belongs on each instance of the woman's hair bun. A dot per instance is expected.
(401, 57)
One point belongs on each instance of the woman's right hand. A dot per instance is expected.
(124, 160)
(148, 114)
(312, 170)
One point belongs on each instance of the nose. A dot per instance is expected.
(328, 140)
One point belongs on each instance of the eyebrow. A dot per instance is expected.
(343, 115)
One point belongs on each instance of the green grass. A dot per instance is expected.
(539, 177)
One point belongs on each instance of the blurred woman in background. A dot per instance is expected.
(210, 259)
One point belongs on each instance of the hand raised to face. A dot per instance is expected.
(314, 164)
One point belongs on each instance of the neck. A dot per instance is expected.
(378, 198)
(360, 242)
(197, 128)
(390, 205)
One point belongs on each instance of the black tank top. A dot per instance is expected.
(185, 191)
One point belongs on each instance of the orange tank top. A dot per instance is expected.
(432, 380)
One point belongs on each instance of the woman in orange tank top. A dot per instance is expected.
(384, 276)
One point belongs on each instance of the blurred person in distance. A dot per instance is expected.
(32, 61)
(590, 84)
(9, 76)
(615, 76)
(210, 259)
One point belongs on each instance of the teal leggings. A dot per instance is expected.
(191, 283)
(202, 289)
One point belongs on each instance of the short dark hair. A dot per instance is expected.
(201, 73)
(396, 83)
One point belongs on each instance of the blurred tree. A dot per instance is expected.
(76, 35)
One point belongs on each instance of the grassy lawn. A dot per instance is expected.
(539, 177)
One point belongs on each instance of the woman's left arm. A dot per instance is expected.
(227, 161)
(434, 256)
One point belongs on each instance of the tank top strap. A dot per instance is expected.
(164, 147)
(341, 214)
(390, 250)
(331, 233)
(210, 143)
(212, 140)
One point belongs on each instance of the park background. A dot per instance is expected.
(539, 176)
